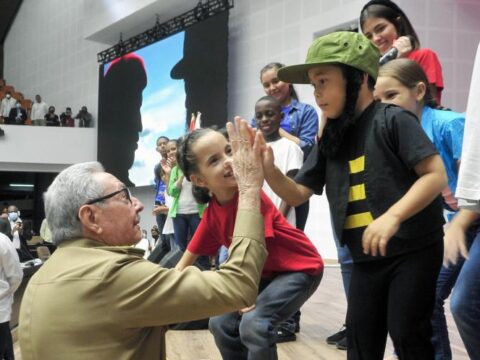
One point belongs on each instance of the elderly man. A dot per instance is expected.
(97, 298)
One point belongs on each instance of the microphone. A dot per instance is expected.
(393, 52)
(389, 55)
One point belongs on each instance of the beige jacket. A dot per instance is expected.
(90, 301)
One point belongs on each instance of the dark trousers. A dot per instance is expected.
(6, 343)
(161, 218)
(301, 215)
(393, 295)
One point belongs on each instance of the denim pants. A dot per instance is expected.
(465, 301)
(252, 335)
(345, 260)
(184, 226)
(447, 279)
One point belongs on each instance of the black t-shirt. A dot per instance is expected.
(358, 173)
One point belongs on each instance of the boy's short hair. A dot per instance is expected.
(340, 47)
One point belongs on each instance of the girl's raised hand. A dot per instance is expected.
(247, 161)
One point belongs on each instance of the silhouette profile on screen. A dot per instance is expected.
(204, 70)
(119, 117)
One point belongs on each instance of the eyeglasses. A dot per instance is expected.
(125, 190)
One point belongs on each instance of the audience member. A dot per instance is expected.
(387, 26)
(39, 110)
(382, 177)
(288, 155)
(159, 209)
(11, 275)
(51, 118)
(16, 225)
(85, 119)
(5, 227)
(8, 103)
(17, 115)
(288, 158)
(134, 299)
(185, 211)
(293, 269)
(66, 118)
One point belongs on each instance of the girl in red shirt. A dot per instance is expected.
(291, 273)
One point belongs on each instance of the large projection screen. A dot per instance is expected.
(153, 91)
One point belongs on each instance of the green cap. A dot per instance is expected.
(343, 47)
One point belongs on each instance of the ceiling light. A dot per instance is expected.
(21, 185)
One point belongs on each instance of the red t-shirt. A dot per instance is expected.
(289, 249)
(429, 62)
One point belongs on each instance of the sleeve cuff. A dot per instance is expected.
(249, 224)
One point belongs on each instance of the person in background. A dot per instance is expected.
(11, 275)
(159, 208)
(94, 221)
(387, 26)
(39, 110)
(402, 82)
(288, 158)
(85, 119)
(66, 118)
(5, 227)
(17, 115)
(51, 118)
(288, 155)
(7, 104)
(185, 211)
(16, 226)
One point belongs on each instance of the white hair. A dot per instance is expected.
(71, 189)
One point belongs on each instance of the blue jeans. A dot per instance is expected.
(252, 335)
(447, 279)
(345, 260)
(184, 226)
(465, 302)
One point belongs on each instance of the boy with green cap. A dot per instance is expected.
(382, 178)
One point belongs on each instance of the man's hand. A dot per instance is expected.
(246, 163)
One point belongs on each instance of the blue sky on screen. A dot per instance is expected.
(163, 106)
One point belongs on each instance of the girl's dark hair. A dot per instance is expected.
(390, 11)
(277, 66)
(334, 133)
(187, 160)
(409, 73)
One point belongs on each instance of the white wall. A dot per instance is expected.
(46, 149)
(45, 52)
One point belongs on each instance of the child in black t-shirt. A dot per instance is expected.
(382, 178)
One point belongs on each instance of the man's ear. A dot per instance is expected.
(421, 90)
(198, 180)
(88, 218)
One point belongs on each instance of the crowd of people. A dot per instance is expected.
(40, 114)
(394, 165)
